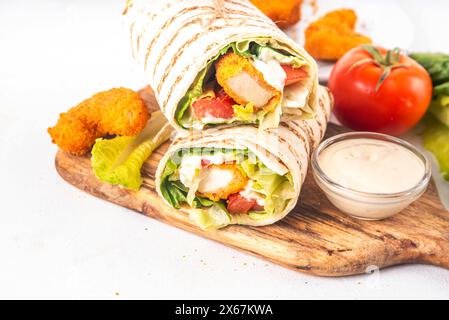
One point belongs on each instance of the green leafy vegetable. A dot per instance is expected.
(175, 192)
(268, 53)
(245, 113)
(436, 140)
(439, 107)
(442, 89)
(118, 161)
(214, 218)
(436, 133)
(437, 64)
(278, 190)
(194, 92)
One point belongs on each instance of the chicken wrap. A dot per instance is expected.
(241, 174)
(214, 62)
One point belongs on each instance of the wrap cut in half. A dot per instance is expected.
(241, 174)
(220, 62)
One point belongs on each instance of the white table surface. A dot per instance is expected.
(58, 242)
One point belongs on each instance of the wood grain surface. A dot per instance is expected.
(314, 238)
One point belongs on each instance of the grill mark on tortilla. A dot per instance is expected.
(242, 4)
(166, 25)
(297, 134)
(323, 108)
(131, 29)
(308, 130)
(321, 105)
(151, 16)
(293, 151)
(159, 87)
(189, 66)
(331, 96)
(249, 16)
(320, 125)
(291, 147)
(175, 36)
(181, 50)
(138, 44)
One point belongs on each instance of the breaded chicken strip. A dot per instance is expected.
(244, 83)
(238, 182)
(119, 111)
(331, 36)
(284, 13)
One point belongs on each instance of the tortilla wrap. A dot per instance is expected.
(174, 40)
(286, 149)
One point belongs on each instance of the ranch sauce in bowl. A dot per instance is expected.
(370, 176)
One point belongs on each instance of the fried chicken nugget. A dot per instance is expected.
(284, 13)
(244, 83)
(331, 36)
(118, 111)
(338, 19)
(237, 183)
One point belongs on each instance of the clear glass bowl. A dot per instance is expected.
(365, 205)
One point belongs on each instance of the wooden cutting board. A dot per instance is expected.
(314, 238)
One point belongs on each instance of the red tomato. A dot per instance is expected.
(364, 102)
(293, 74)
(218, 107)
(238, 204)
(205, 163)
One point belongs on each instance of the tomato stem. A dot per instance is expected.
(387, 63)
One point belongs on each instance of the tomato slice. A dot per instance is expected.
(218, 107)
(239, 205)
(205, 163)
(258, 207)
(294, 75)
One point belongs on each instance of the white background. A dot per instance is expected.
(58, 242)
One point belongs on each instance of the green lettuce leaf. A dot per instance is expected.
(437, 64)
(278, 190)
(214, 217)
(268, 53)
(439, 107)
(118, 161)
(175, 192)
(182, 112)
(442, 89)
(245, 113)
(436, 140)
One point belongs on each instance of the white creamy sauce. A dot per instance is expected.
(272, 72)
(370, 165)
(211, 119)
(250, 194)
(190, 167)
